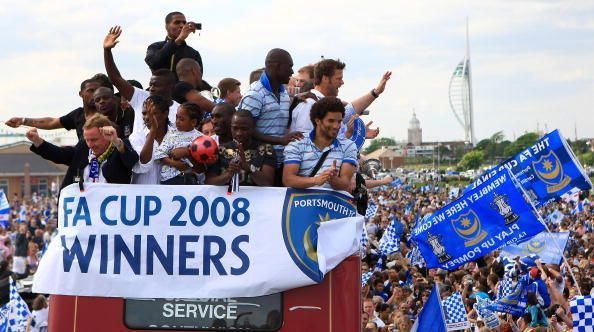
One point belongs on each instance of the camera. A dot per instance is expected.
(198, 26)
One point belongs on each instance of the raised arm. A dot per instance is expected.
(126, 89)
(59, 155)
(360, 104)
(40, 123)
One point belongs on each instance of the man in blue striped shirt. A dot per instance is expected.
(301, 156)
(269, 103)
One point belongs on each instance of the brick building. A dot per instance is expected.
(23, 172)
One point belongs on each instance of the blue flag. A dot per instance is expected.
(480, 221)
(359, 133)
(4, 210)
(431, 317)
(390, 241)
(15, 313)
(542, 245)
(579, 208)
(515, 301)
(546, 170)
(396, 182)
(556, 217)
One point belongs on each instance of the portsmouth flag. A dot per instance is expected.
(431, 318)
(514, 302)
(359, 133)
(4, 210)
(15, 313)
(482, 220)
(546, 245)
(546, 170)
(556, 217)
(455, 313)
(582, 313)
(390, 241)
(371, 209)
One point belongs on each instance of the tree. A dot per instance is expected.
(520, 144)
(579, 146)
(587, 159)
(378, 143)
(471, 160)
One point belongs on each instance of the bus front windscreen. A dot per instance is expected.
(262, 313)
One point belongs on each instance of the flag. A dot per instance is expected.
(416, 259)
(364, 242)
(390, 241)
(4, 210)
(482, 220)
(455, 313)
(15, 313)
(510, 270)
(431, 318)
(579, 208)
(371, 209)
(482, 308)
(547, 170)
(23, 214)
(506, 286)
(556, 217)
(396, 182)
(582, 312)
(546, 245)
(572, 196)
(515, 301)
(365, 278)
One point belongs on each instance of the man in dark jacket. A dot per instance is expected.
(167, 53)
(100, 157)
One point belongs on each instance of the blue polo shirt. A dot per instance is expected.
(306, 154)
(271, 113)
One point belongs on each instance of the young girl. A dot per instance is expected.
(173, 170)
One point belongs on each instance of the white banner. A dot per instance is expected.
(156, 241)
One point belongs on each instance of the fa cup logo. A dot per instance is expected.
(500, 204)
(438, 248)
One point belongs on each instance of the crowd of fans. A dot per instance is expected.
(397, 289)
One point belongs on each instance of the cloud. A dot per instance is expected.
(532, 60)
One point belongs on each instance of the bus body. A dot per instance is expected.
(333, 305)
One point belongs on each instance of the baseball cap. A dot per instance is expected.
(534, 272)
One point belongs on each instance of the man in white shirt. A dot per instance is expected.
(328, 75)
(161, 83)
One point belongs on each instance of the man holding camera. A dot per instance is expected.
(166, 54)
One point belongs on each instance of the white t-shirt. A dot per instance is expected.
(39, 320)
(301, 120)
(136, 102)
(148, 173)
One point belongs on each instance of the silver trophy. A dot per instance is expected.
(501, 205)
(438, 248)
(371, 167)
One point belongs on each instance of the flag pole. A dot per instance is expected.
(539, 217)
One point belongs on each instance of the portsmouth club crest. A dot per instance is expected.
(438, 248)
(303, 213)
(548, 169)
(502, 206)
(535, 247)
(468, 227)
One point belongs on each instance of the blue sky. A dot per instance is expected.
(533, 61)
